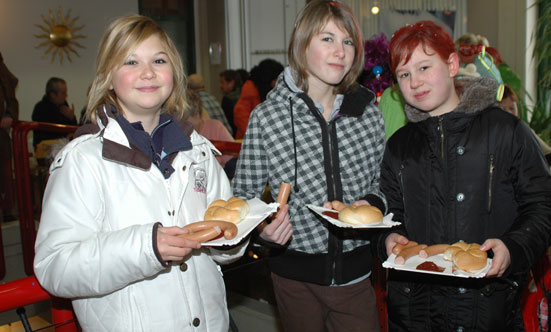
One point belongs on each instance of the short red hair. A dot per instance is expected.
(427, 33)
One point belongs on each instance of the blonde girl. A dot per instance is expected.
(120, 192)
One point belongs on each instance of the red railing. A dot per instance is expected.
(2, 259)
(23, 183)
(26, 291)
(227, 147)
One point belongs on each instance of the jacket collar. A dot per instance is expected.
(475, 95)
(351, 104)
(116, 146)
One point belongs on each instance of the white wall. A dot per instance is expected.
(17, 45)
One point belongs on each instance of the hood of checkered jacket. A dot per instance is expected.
(352, 103)
(475, 95)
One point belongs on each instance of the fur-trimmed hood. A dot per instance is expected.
(475, 94)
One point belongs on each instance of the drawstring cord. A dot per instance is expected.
(294, 145)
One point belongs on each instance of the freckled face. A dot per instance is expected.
(144, 82)
(329, 56)
(426, 81)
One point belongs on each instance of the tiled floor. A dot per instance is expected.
(250, 294)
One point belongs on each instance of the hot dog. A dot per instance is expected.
(433, 250)
(399, 247)
(204, 235)
(338, 205)
(203, 231)
(406, 253)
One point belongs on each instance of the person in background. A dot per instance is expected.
(121, 191)
(212, 129)
(196, 84)
(509, 104)
(244, 75)
(230, 84)
(53, 108)
(320, 131)
(461, 169)
(254, 91)
(9, 115)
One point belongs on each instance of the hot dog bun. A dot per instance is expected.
(465, 256)
(360, 215)
(470, 260)
(233, 210)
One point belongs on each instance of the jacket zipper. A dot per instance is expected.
(491, 173)
(330, 147)
(333, 186)
(441, 130)
(401, 175)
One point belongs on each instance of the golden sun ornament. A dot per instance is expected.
(60, 35)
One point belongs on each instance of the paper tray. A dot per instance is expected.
(258, 211)
(411, 264)
(385, 223)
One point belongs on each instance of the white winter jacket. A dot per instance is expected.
(96, 243)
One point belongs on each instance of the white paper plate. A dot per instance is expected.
(411, 264)
(258, 211)
(385, 223)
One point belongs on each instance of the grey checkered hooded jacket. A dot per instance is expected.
(288, 140)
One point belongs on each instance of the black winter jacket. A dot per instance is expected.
(471, 174)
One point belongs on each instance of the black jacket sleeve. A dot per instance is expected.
(530, 234)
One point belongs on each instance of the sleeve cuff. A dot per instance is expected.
(376, 201)
(155, 249)
(255, 237)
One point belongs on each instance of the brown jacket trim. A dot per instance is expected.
(117, 152)
(120, 153)
(89, 128)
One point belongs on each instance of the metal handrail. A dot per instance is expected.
(23, 183)
(26, 291)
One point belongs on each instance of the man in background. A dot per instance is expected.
(230, 85)
(53, 108)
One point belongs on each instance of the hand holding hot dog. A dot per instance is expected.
(392, 240)
(502, 257)
(280, 229)
(172, 247)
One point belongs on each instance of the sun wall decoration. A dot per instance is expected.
(60, 34)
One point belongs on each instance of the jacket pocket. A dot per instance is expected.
(408, 305)
(497, 307)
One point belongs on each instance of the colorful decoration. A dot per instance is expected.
(376, 75)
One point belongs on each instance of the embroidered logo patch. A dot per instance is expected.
(200, 180)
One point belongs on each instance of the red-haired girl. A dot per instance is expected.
(461, 169)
